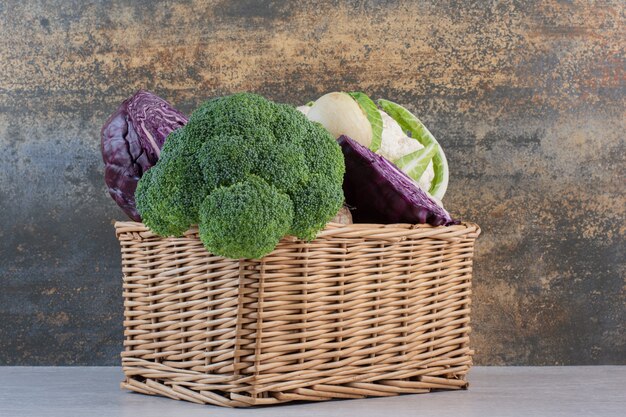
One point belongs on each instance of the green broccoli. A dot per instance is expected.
(249, 171)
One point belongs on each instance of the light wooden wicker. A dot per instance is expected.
(363, 310)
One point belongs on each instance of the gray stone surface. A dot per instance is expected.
(494, 391)
(526, 97)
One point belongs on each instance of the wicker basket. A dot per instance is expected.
(363, 310)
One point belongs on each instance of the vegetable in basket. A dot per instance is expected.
(132, 138)
(391, 131)
(381, 193)
(249, 171)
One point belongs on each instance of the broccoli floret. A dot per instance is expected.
(244, 114)
(246, 219)
(323, 158)
(283, 165)
(312, 205)
(226, 160)
(249, 171)
(169, 194)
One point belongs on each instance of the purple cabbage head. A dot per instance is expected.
(381, 193)
(132, 139)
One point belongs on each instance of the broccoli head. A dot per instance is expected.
(248, 171)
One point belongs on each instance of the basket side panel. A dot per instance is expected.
(364, 316)
(181, 317)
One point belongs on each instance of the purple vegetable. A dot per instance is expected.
(132, 138)
(381, 193)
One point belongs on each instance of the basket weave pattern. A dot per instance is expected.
(363, 310)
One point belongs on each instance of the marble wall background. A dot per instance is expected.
(527, 97)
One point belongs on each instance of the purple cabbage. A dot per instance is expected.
(132, 139)
(380, 193)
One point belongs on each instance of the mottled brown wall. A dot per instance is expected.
(527, 98)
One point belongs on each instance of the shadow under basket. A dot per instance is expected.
(363, 310)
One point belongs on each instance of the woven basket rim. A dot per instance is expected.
(392, 232)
